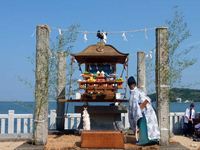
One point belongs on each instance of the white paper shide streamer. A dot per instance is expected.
(59, 31)
(104, 37)
(124, 36)
(86, 119)
(85, 36)
(150, 54)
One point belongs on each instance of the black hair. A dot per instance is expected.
(192, 105)
(131, 80)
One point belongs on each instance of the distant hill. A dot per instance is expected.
(183, 93)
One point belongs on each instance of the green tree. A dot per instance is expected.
(178, 60)
(178, 56)
(64, 42)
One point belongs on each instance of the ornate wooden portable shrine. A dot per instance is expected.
(100, 84)
(99, 78)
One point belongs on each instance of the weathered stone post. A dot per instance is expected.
(61, 83)
(40, 132)
(141, 71)
(162, 83)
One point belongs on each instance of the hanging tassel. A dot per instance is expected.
(90, 67)
(110, 67)
(124, 36)
(85, 36)
(126, 64)
(80, 69)
(96, 66)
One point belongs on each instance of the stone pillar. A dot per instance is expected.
(162, 83)
(141, 71)
(40, 133)
(61, 83)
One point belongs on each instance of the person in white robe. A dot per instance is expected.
(142, 115)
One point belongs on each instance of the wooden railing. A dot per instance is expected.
(21, 125)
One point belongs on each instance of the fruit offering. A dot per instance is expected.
(119, 80)
(91, 79)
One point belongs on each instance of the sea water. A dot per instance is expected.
(28, 107)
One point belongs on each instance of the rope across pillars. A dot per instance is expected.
(61, 83)
(162, 83)
(40, 132)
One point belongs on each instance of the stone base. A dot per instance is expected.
(102, 139)
(103, 117)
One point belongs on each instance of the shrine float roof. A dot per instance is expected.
(101, 53)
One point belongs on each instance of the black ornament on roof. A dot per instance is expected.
(102, 36)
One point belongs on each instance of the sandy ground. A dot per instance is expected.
(11, 145)
(55, 141)
(60, 142)
(186, 142)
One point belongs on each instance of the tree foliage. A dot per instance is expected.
(178, 60)
(64, 42)
(178, 56)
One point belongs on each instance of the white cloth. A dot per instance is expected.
(86, 120)
(135, 113)
(187, 114)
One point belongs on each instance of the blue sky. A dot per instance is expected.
(19, 19)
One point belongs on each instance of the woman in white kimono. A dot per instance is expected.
(142, 115)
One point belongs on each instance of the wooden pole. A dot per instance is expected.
(162, 83)
(141, 71)
(61, 83)
(40, 132)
